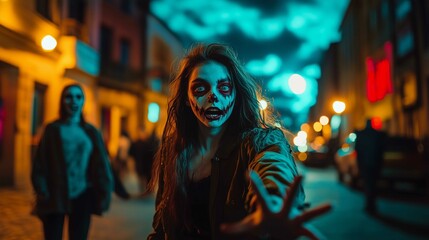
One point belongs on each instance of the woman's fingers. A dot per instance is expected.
(260, 191)
(290, 196)
(312, 213)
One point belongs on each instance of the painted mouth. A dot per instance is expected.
(213, 113)
(74, 107)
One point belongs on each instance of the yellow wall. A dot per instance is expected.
(120, 104)
(21, 30)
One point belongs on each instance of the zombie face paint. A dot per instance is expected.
(73, 101)
(211, 94)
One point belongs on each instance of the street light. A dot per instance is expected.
(339, 107)
(48, 43)
(334, 143)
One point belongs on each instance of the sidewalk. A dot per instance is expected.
(398, 219)
(125, 220)
(16, 223)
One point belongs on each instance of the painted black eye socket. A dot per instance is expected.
(70, 97)
(199, 89)
(225, 88)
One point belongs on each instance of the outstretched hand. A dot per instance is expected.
(273, 219)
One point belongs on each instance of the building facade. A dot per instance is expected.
(102, 45)
(32, 76)
(378, 68)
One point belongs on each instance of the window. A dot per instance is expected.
(126, 6)
(42, 7)
(106, 43)
(2, 119)
(77, 10)
(425, 9)
(405, 42)
(38, 108)
(385, 11)
(402, 9)
(156, 84)
(373, 19)
(125, 52)
(106, 124)
(153, 112)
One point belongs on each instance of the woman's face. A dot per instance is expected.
(211, 94)
(73, 101)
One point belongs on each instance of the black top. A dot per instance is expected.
(199, 193)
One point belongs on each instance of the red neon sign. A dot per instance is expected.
(379, 79)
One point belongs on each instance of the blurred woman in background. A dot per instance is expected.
(71, 173)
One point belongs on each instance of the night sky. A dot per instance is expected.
(273, 38)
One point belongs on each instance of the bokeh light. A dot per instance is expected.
(339, 107)
(305, 127)
(297, 84)
(317, 126)
(302, 156)
(48, 43)
(153, 112)
(324, 120)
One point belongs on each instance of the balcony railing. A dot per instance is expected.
(71, 27)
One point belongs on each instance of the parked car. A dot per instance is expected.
(346, 163)
(405, 165)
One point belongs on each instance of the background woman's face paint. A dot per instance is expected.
(211, 94)
(73, 101)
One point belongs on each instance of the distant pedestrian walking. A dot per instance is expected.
(369, 148)
(143, 151)
(71, 173)
(121, 160)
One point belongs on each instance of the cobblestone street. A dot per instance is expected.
(16, 223)
(126, 220)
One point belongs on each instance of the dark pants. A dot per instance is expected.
(78, 220)
(370, 175)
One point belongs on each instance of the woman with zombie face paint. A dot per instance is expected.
(222, 171)
(71, 172)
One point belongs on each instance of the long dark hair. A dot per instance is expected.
(63, 112)
(179, 138)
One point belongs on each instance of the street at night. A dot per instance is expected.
(399, 217)
(101, 97)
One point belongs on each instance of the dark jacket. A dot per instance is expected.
(369, 146)
(49, 174)
(265, 151)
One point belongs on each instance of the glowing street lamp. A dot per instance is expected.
(339, 107)
(48, 43)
